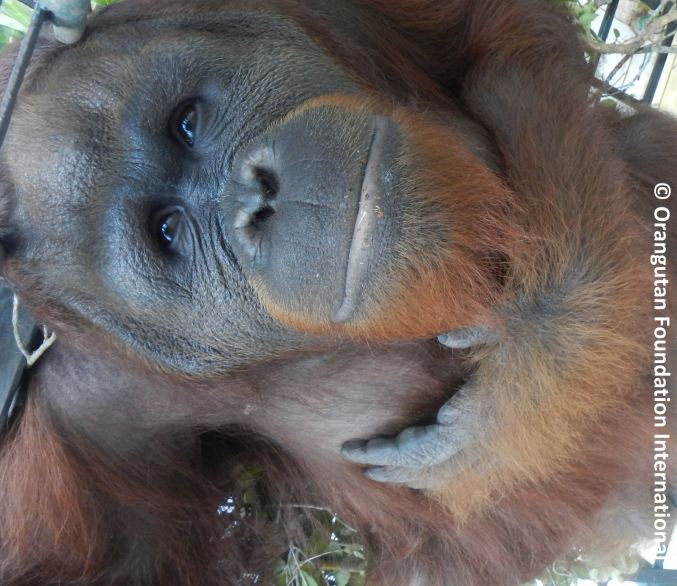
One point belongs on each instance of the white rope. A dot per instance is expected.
(48, 337)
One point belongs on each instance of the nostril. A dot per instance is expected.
(268, 186)
(268, 183)
(261, 216)
(253, 202)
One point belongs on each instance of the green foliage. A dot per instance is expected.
(585, 13)
(321, 549)
(14, 19)
(330, 556)
(578, 566)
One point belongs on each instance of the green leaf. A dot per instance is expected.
(10, 23)
(617, 33)
(581, 571)
(7, 35)
(358, 579)
(307, 579)
(318, 541)
(18, 12)
(280, 573)
(586, 19)
(341, 578)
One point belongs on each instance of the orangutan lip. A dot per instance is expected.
(364, 224)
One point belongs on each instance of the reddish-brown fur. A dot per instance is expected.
(568, 454)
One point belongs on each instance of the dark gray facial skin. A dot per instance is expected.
(132, 200)
(216, 189)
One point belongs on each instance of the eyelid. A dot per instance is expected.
(159, 218)
(178, 127)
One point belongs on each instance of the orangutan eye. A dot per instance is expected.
(169, 230)
(184, 124)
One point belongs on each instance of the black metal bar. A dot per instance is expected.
(12, 361)
(608, 19)
(655, 576)
(659, 65)
(20, 65)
